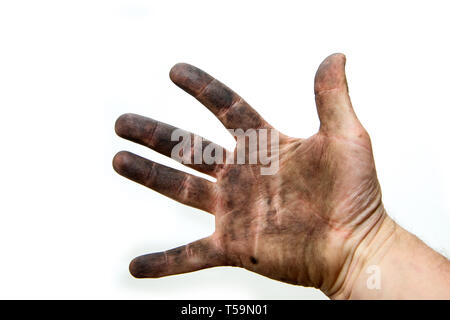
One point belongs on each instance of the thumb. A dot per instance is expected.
(332, 100)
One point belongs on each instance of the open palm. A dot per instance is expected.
(301, 224)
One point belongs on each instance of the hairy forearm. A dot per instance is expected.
(391, 263)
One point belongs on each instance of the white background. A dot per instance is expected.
(69, 225)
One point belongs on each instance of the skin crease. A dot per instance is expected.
(301, 225)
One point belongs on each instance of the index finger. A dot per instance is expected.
(226, 105)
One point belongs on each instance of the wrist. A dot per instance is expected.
(370, 242)
(391, 263)
(364, 261)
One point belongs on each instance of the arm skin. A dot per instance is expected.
(319, 221)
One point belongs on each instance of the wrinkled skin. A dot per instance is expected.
(300, 225)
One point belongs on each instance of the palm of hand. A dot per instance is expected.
(299, 225)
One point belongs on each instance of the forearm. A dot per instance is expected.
(392, 263)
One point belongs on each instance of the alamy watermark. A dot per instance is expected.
(254, 146)
(374, 280)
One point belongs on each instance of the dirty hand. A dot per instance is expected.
(301, 224)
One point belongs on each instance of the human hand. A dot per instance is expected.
(303, 224)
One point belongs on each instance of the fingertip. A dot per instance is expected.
(121, 161)
(122, 123)
(137, 268)
(178, 70)
(331, 74)
(337, 57)
(189, 78)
